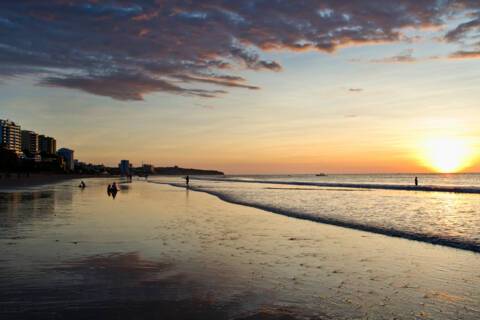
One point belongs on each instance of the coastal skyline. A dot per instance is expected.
(340, 87)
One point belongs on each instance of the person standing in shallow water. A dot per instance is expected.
(187, 181)
(114, 190)
(416, 181)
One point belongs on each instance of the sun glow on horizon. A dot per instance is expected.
(447, 154)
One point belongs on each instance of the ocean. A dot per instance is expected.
(444, 209)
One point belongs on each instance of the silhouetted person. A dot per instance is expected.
(82, 184)
(109, 190)
(114, 190)
(187, 181)
(416, 181)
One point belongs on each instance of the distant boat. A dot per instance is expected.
(321, 175)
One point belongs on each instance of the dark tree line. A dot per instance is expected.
(11, 162)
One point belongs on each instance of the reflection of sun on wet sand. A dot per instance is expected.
(160, 252)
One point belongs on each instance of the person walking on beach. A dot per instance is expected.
(82, 184)
(109, 190)
(416, 181)
(187, 181)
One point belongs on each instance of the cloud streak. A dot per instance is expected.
(474, 54)
(403, 57)
(126, 49)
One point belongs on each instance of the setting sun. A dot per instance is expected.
(447, 155)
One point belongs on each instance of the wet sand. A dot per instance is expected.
(160, 252)
(15, 182)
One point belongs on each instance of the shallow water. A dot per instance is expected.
(455, 179)
(447, 218)
(163, 252)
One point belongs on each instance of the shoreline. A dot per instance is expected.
(400, 187)
(39, 179)
(471, 247)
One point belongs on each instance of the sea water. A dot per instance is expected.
(440, 217)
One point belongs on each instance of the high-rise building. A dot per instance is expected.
(67, 155)
(47, 145)
(30, 141)
(125, 168)
(10, 136)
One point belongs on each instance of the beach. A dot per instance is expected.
(162, 252)
(14, 181)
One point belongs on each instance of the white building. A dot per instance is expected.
(11, 136)
(67, 155)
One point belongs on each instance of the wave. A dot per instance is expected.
(428, 188)
(432, 239)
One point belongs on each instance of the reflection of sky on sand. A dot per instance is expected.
(157, 243)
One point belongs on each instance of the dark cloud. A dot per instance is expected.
(467, 34)
(462, 30)
(218, 80)
(123, 86)
(125, 49)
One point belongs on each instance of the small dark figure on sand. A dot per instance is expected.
(187, 181)
(416, 181)
(109, 190)
(113, 190)
(82, 185)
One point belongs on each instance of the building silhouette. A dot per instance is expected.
(30, 146)
(30, 141)
(47, 145)
(67, 155)
(148, 169)
(125, 168)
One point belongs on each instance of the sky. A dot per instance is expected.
(249, 86)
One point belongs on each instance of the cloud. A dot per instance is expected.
(465, 55)
(462, 30)
(124, 86)
(205, 106)
(467, 34)
(218, 80)
(129, 48)
(404, 57)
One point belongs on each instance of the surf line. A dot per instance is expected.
(452, 243)
(427, 188)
